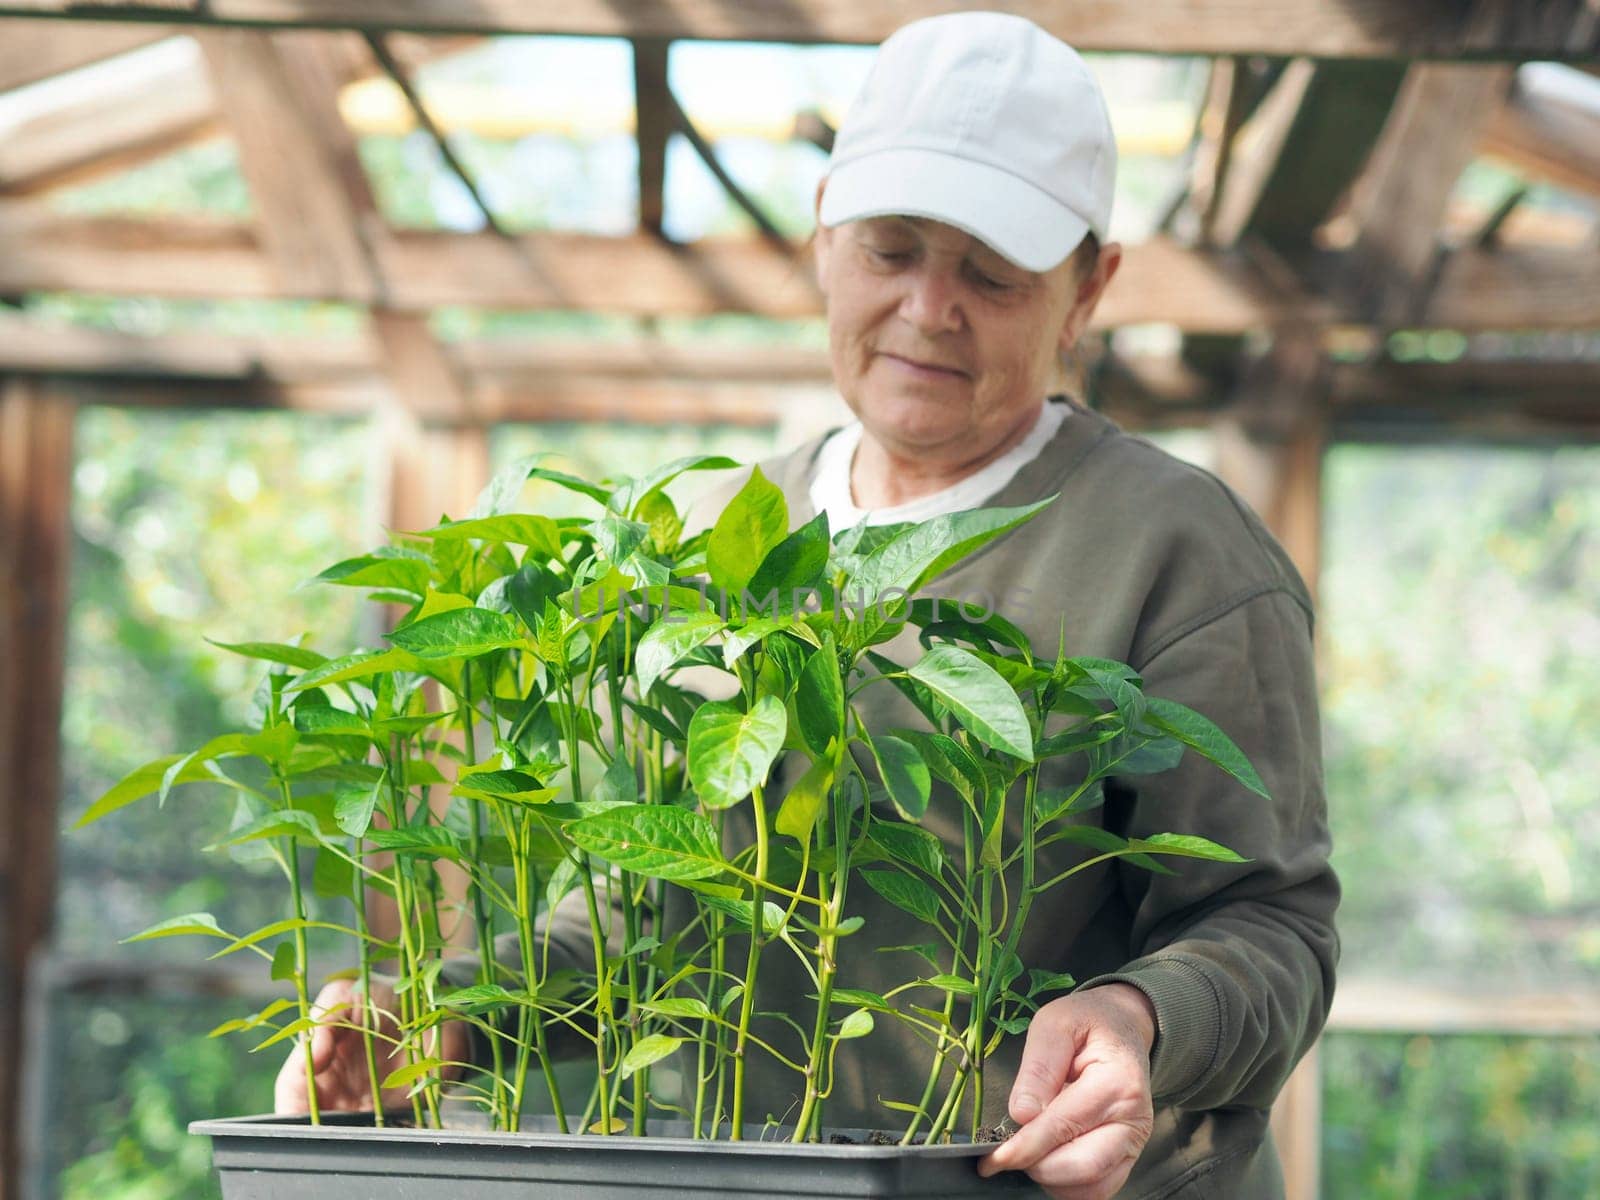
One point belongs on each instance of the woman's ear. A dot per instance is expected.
(1086, 295)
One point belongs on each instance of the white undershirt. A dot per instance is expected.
(830, 486)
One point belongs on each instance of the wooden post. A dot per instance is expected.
(35, 494)
(429, 471)
(1269, 449)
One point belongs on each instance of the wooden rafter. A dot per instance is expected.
(313, 205)
(117, 123)
(1548, 141)
(32, 50)
(1160, 281)
(1489, 29)
(123, 122)
(1399, 203)
(1299, 151)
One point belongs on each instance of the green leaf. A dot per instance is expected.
(1117, 682)
(539, 533)
(619, 784)
(410, 1073)
(944, 612)
(819, 699)
(982, 701)
(859, 997)
(361, 665)
(326, 721)
(283, 961)
(653, 840)
(461, 633)
(1049, 981)
(951, 983)
(627, 499)
(666, 642)
(678, 1006)
(292, 1029)
(905, 892)
(616, 538)
(352, 807)
(1203, 737)
(905, 775)
(1184, 845)
(142, 781)
(332, 877)
(200, 924)
(393, 567)
(910, 844)
(857, 1024)
(797, 816)
(799, 561)
(754, 523)
(278, 652)
(283, 822)
(509, 786)
(738, 910)
(428, 842)
(480, 997)
(947, 759)
(927, 549)
(731, 752)
(647, 1050)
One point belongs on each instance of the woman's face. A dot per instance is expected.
(940, 346)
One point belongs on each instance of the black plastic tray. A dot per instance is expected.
(347, 1158)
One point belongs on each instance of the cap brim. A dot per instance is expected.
(1018, 221)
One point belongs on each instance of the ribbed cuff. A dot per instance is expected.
(1189, 1021)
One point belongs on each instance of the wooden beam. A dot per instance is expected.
(32, 50)
(653, 124)
(107, 125)
(1514, 288)
(35, 544)
(1403, 1006)
(1160, 281)
(1503, 30)
(314, 207)
(117, 122)
(1548, 141)
(1247, 160)
(1399, 203)
(1311, 151)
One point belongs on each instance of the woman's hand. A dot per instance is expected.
(1082, 1095)
(339, 1057)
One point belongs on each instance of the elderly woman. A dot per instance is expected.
(962, 248)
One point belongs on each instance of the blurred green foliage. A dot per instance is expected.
(1459, 1118)
(1460, 615)
(129, 1074)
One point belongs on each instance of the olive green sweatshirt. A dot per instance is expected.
(1144, 559)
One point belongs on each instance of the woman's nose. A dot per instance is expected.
(932, 302)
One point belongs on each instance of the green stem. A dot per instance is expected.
(480, 909)
(302, 967)
(364, 956)
(753, 961)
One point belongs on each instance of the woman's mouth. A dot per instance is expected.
(922, 370)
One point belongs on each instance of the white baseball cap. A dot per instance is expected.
(983, 121)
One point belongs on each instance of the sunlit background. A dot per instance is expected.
(1459, 625)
